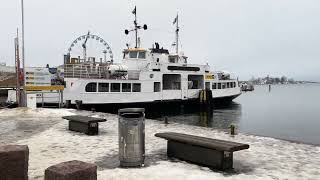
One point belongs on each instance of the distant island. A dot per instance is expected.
(275, 80)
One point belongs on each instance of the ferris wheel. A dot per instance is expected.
(90, 45)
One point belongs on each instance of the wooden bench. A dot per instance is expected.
(214, 153)
(84, 124)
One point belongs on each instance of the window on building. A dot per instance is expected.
(133, 54)
(219, 85)
(156, 87)
(214, 85)
(103, 87)
(115, 87)
(142, 55)
(91, 87)
(126, 87)
(136, 87)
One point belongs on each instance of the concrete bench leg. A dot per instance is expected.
(208, 157)
(71, 170)
(14, 162)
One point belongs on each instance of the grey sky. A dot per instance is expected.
(246, 37)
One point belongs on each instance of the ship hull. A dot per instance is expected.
(155, 106)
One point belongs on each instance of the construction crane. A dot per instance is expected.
(84, 46)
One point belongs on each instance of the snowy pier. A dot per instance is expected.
(50, 143)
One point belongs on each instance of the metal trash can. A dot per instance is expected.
(131, 137)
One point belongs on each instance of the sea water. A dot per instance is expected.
(290, 112)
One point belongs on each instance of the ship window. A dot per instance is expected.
(91, 87)
(136, 87)
(234, 84)
(228, 85)
(207, 85)
(142, 55)
(171, 82)
(223, 85)
(219, 85)
(115, 87)
(156, 86)
(214, 85)
(103, 87)
(183, 68)
(172, 59)
(195, 81)
(133, 54)
(126, 87)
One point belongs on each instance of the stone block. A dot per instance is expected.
(14, 162)
(72, 170)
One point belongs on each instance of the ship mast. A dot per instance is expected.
(176, 21)
(135, 24)
(136, 27)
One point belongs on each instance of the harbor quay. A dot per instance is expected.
(50, 143)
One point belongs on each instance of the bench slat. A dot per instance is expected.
(84, 119)
(203, 141)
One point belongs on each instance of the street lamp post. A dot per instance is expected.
(24, 102)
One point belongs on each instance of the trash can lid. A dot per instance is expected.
(131, 115)
(131, 110)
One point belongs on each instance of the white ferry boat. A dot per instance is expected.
(145, 76)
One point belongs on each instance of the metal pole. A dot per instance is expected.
(42, 99)
(17, 62)
(24, 103)
(177, 36)
(136, 28)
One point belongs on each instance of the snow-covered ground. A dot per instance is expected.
(50, 143)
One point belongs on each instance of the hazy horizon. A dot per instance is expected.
(246, 37)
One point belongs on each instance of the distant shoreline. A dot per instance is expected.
(297, 82)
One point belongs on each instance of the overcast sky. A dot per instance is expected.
(246, 37)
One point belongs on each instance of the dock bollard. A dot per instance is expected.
(78, 104)
(232, 129)
(166, 120)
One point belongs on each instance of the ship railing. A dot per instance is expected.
(92, 71)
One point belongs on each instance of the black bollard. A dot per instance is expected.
(232, 129)
(166, 120)
(78, 104)
(269, 87)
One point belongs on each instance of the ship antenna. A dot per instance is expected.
(136, 26)
(176, 21)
